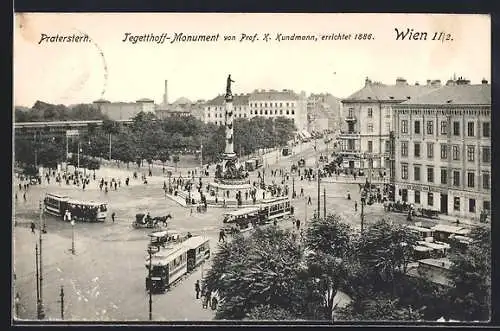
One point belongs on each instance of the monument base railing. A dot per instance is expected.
(232, 181)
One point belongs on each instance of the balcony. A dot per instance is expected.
(351, 118)
(350, 152)
(349, 135)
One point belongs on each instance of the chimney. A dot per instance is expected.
(165, 94)
(484, 81)
(367, 81)
(401, 81)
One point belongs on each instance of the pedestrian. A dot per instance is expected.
(301, 191)
(309, 202)
(297, 223)
(24, 196)
(222, 236)
(355, 206)
(113, 216)
(32, 227)
(197, 289)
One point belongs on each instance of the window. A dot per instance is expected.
(430, 199)
(416, 173)
(293, 111)
(370, 112)
(470, 153)
(370, 146)
(208, 115)
(472, 205)
(417, 197)
(281, 104)
(456, 203)
(456, 178)
(370, 127)
(287, 112)
(404, 126)
(281, 111)
(444, 176)
(404, 148)
(260, 112)
(444, 151)
(486, 155)
(275, 111)
(444, 127)
(430, 150)
(416, 149)
(430, 127)
(456, 152)
(417, 127)
(404, 171)
(350, 111)
(456, 128)
(486, 180)
(265, 111)
(287, 104)
(387, 127)
(486, 205)
(486, 129)
(470, 129)
(470, 179)
(430, 174)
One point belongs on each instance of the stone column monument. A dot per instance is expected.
(229, 151)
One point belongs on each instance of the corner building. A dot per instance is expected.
(443, 149)
(368, 121)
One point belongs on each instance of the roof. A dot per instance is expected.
(163, 233)
(182, 101)
(194, 241)
(450, 229)
(273, 95)
(478, 94)
(383, 92)
(243, 211)
(145, 100)
(238, 99)
(419, 228)
(443, 262)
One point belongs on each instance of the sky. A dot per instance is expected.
(106, 67)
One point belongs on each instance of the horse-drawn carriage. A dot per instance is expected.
(147, 222)
(428, 213)
(399, 207)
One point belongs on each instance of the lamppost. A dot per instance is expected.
(40, 312)
(294, 194)
(151, 250)
(73, 237)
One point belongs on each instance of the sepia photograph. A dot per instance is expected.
(250, 167)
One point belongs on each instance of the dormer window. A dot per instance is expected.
(392, 98)
(408, 98)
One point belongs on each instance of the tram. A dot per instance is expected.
(170, 264)
(85, 211)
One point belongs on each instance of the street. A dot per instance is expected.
(105, 279)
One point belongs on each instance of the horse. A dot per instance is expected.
(162, 219)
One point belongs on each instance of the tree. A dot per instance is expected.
(176, 160)
(385, 249)
(257, 271)
(329, 242)
(378, 308)
(270, 313)
(470, 273)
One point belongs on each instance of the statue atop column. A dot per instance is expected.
(228, 85)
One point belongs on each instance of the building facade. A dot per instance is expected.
(364, 138)
(269, 103)
(124, 110)
(323, 111)
(214, 109)
(443, 149)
